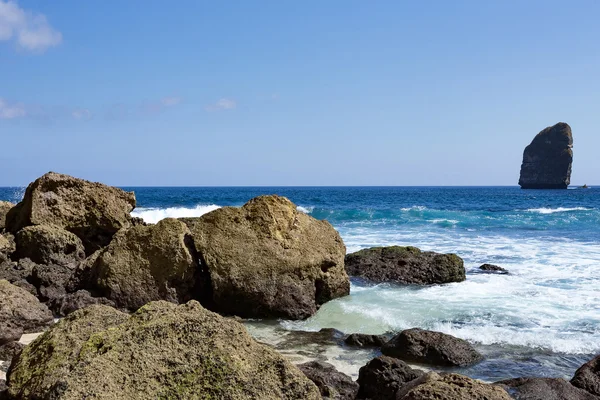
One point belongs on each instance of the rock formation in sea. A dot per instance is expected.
(548, 159)
(429, 347)
(162, 351)
(407, 265)
(267, 259)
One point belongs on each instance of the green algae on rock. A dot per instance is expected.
(163, 351)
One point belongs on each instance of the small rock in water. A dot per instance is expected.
(429, 347)
(363, 340)
(494, 269)
(331, 383)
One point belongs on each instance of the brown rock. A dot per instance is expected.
(5, 206)
(544, 389)
(456, 387)
(20, 312)
(331, 383)
(49, 245)
(266, 259)
(587, 377)
(147, 263)
(383, 376)
(92, 211)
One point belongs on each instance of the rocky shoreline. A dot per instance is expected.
(154, 310)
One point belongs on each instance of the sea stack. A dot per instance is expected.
(547, 160)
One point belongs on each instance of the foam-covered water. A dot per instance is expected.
(542, 319)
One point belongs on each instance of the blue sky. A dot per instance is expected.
(294, 93)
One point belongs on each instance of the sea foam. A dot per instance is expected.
(153, 215)
(544, 210)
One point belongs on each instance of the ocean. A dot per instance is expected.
(542, 319)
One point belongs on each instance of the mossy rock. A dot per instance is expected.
(163, 351)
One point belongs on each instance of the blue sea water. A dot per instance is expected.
(543, 319)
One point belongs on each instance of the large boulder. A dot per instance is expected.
(44, 244)
(20, 312)
(267, 259)
(162, 351)
(92, 211)
(5, 206)
(548, 159)
(587, 377)
(332, 384)
(544, 389)
(383, 376)
(406, 265)
(429, 347)
(146, 263)
(453, 387)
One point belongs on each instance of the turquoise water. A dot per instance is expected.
(543, 319)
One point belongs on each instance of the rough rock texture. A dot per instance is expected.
(547, 160)
(383, 376)
(331, 383)
(20, 312)
(407, 265)
(266, 259)
(363, 340)
(147, 263)
(428, 347)
(92, 211)
(544, 389)
(491, 268)
(10, 350)
(18, 274)
(5, 206)
(7, 247)
(49, 245)
(455, 387)
(70, 302)
(163, 351)
(587, 377)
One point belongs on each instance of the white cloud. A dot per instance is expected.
(170, 101)
(222, 104)
(11, 111)
(81, 113)
(30, 31)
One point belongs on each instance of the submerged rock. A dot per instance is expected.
(331, 383)
(267, 259)
(434, 348)
(161, 351)
(547, 160)
(407, 265)
(383, 376)
(49, 245)
(544, 389)
(587, 377)
(20, 312)
(147, 263)
(454, 387)
(92, 211)
(5, 206)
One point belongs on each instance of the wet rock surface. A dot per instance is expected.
(332, 384)
(383, 376)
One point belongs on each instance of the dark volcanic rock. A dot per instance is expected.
(434, 348)
(92, 211)
(547, 160)
(20, 312)
(49, 245)
(267, 259)
(407, 265)
(544, 389)
(18, 273)
(331, 383)
(452, 387)
(493, 269)
(383, 376)
(70, 302)
(147, 263)
(587, 377)
(162, 351)
(363, 340)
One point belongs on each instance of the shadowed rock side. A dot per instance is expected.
(434, 348)
(587, 377)
(331, 383)
(544, 389)
(20, 312)
(548, 159)
(162, 351)
(92, 211)
(407, 265)
(147, 263)
(267, 259)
